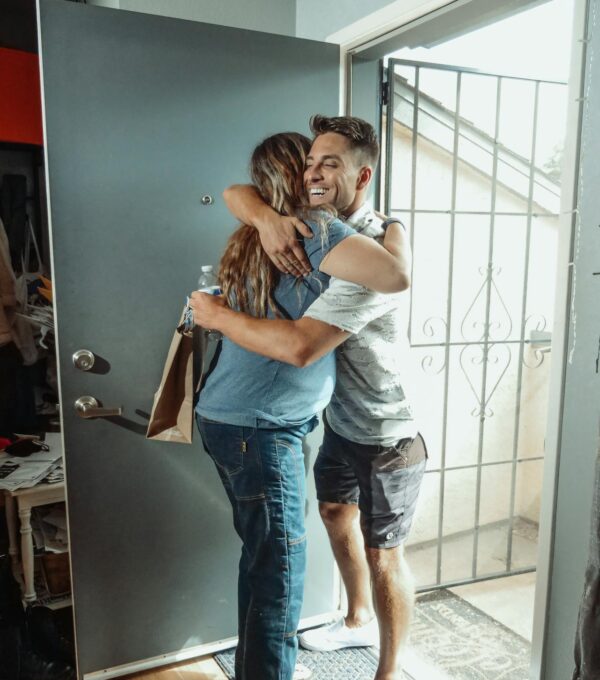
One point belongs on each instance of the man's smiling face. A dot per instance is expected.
(332, 174)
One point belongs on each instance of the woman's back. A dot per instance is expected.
(251, 390)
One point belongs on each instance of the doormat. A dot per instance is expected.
(460, 641)
(464, 643)
(344, 664)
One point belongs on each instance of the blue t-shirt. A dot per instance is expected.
(250, 390)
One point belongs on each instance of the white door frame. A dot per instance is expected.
(390, 22)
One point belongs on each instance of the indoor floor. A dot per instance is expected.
(507, 600)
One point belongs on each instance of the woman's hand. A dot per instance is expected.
(208, 309)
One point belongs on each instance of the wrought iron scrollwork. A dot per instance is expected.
(487, 341)
(430, 363)
(472, 321)
(496, 356)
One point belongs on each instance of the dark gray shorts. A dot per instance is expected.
(384, 481)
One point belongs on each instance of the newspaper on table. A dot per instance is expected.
(18, 472)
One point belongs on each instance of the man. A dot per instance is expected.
(372, 459)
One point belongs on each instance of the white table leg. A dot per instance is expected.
(13, 548)
(27, 551)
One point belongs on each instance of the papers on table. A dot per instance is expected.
(49, 525)
(17, 472)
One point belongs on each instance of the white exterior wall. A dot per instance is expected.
(430, 287)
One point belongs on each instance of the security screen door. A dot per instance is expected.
(147, 120)
(473, 169)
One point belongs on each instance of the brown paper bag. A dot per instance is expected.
(172, 414)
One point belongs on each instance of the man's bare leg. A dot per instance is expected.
(393, 589)
(342, 523)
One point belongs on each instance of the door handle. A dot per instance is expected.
(88, 407)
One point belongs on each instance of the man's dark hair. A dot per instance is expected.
(358, 132)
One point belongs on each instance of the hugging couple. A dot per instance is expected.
(310, 315)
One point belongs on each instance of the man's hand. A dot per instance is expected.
(280, 240)
(208, 309)
(278, 234)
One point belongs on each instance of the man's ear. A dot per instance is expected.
(364, 177)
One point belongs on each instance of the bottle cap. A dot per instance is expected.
(206, 268)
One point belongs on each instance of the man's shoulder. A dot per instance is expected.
(365, 221)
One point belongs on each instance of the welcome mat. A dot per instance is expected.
(452, 637)
(343, 664)
(464, 643)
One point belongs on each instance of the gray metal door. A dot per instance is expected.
(144, 117)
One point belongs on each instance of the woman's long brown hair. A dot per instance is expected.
(246, 275)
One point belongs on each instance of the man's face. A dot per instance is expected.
(332, 174)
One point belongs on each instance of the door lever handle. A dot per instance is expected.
(88, 407)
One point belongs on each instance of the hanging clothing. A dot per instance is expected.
(13, 211)
(17, 401)
(587, 649)
(17, 397)
(13, 298)
(8, 293)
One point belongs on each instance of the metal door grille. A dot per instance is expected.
(462, 167)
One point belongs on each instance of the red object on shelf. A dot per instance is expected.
(20, 97)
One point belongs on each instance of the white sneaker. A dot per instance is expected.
(337, 635)
(302, 672)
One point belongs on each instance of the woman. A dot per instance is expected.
(253, 414)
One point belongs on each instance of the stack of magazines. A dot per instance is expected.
(19, 472)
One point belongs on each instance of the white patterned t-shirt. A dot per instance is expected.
(369, 403)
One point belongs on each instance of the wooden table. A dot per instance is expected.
(24, 500)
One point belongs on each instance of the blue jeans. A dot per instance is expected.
(263, 473)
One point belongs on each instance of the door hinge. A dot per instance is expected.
(385, 93)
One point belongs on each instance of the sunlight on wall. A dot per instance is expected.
(430, 291)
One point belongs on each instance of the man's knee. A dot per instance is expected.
(385, 563)
(382, 559)
(338, 514)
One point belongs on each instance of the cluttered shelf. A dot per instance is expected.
(34, 493)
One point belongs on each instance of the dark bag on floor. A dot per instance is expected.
(12, 622)
(51, 634)
(18, 658)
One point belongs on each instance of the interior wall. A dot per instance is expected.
(271, 16)
(316, 19)
(17, 25)
(15, 161)
(311, 19)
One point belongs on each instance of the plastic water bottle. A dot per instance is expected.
(207, 283)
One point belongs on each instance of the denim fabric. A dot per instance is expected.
(263, 473)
